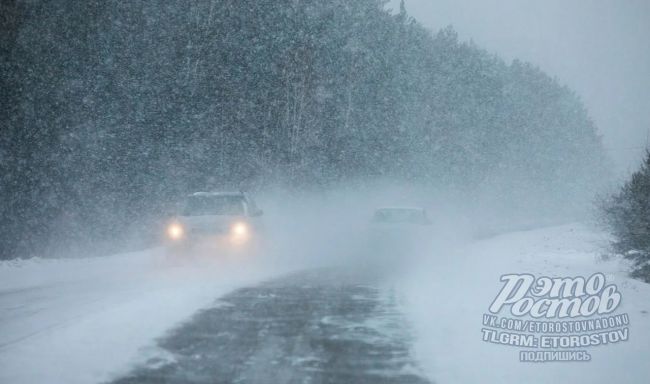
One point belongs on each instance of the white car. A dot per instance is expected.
(398, 234)
(400, 216)
(221, 219)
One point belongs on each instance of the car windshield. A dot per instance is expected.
(399, 215)
(214, 205)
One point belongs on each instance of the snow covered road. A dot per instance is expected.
(318, 326)
(137, 316)
(82, 320)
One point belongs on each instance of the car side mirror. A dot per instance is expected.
(257, 213)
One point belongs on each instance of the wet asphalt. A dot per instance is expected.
(310, 327)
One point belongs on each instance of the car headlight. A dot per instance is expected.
(175, 231)
(240, 233)
(240, 230)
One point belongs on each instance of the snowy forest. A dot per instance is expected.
(110, 108)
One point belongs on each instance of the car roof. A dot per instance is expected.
(214, 194)
(399, 208)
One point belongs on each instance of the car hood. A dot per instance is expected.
(205, 224)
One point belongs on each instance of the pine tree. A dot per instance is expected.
(627, 213)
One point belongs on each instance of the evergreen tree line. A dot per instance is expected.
(112, 107)
(627, 215)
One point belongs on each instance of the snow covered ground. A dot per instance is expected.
(84, 320)
(447, 298)
(88, 320)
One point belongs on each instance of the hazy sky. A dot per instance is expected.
(600, 48)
